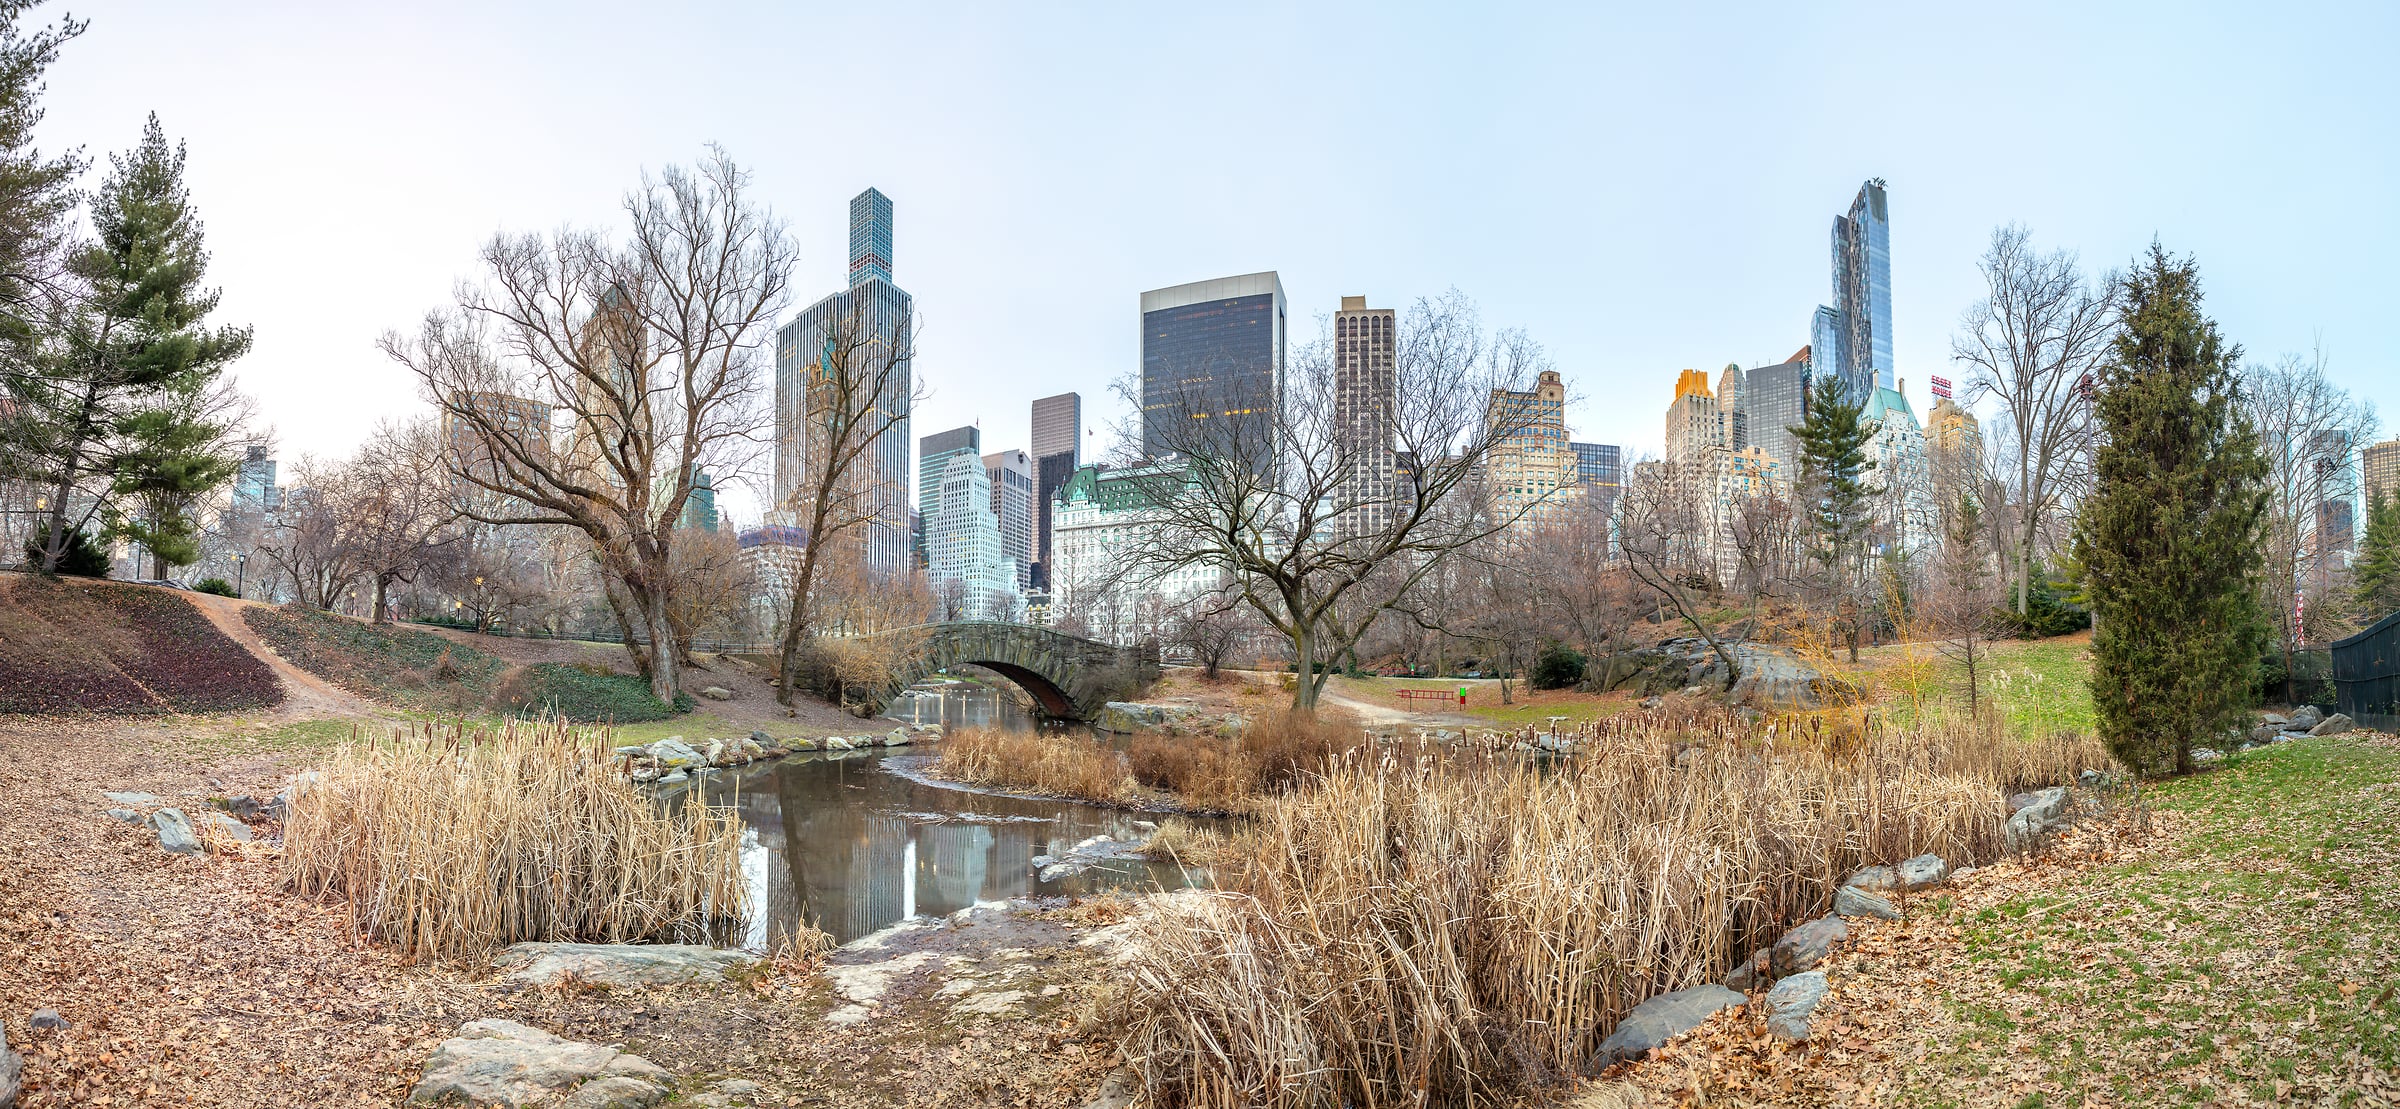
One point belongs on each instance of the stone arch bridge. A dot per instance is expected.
(1068, 676)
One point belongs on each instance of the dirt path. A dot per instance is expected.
(304, 694)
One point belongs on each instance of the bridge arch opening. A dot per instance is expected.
(1046, 693)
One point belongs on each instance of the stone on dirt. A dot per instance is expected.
(1876, 878)
(1923, 872)
(47, 1020)
(1792, 1002)
(716, 693)
(175, 835)
(1662, 1018)
(620, 964)
(503, 1064)
(898, 738)
(225, 825)
(1851, 901)
(673, 753)
(1750, 975)
(2307, 716)
(1117, 1091)
(2335, 724)
(129, 816)
(136, 800)
(1806, 946)
(11, 1067)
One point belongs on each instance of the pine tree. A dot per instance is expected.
(2169, 537)
(35, 191)
(2377, 571)
(1836, 494)
(122, 408)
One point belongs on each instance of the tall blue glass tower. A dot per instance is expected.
(1852, 341)
(870, 237)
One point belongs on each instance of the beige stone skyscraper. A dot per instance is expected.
(1531, 470)
(2379, 464)
(1365, 369)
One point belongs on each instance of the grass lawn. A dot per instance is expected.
(2250, 956)
(2040, 686)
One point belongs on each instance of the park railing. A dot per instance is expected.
(2366, 675)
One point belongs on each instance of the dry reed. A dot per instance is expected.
(1058, 765)
(1271, 755)
(1452, 929)
(450, 842)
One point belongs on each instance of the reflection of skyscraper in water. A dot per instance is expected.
(952, 861)
(879, 875)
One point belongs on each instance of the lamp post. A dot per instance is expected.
(240, 565)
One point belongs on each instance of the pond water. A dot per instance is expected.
(851, 842)
(953, 704)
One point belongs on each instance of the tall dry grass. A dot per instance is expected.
(1451, 929)
(1059, 765)
(1271, 755)
(452, 842)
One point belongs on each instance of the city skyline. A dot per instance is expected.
(1025, 281)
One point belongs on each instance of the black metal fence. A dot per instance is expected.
(2366, 675)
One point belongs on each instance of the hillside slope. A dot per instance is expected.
(69, 646)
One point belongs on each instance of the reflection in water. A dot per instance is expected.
(954, 704)
(836, 839)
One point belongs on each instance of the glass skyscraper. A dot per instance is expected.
(1213, 350)
(1853, 340)
(934, 453)
(874, 307)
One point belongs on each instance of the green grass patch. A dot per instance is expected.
(425, 672)
(2251, 960)
(577, 694)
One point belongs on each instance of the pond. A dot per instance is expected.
(954, 704)
(854, 843)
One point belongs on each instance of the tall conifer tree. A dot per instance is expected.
(1836, 494)
(2377, 571)
(2169, 537)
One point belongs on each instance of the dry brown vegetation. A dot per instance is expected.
(452, 842)
(1454, 928)
(1269, 756)
(1058, 765)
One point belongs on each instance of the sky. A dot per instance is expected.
(1642, 188)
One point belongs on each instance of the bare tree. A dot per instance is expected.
(857, 392)
(2309, 429)
(1962, 605)
(400, 510)
(652, 350)
(2035, 342)
(1287, 494)
(314, 541)
(713, 588)
(1662, 534)
(1212, 627)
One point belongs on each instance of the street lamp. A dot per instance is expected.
(240, 565)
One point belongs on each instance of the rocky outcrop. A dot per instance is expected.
(1652, 1023)
(1793, 1003)
(2306, 717)
(2335, 724)
(175, 833)
(672, 760)
(1806, 946)
(506, 1065)
(2035, 813)
(1770, 678)
(1850, 901)
(619, 964)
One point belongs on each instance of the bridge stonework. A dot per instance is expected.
(1067, 675)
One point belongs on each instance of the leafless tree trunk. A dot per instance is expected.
(652, 351)
(1283, 495)
(401, 511)
(1662, 526)
(2034, 341)
(858, 391)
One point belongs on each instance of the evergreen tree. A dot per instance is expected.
(2169, 537)
(35, 198)
(1835, 494)
(122, 405)
(2378, 568)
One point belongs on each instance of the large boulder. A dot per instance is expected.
(500, 1063)
(1662, 1018)
(2307, 716)
(1923, 872)
(175, 834)
(1806, 946)
(2335, 724)
(619, 964)
(1793, 1002)
(672, 753)
(224, 826)
(1850, 901)
(1774, 679)
(12, 1068)
(2036, 813)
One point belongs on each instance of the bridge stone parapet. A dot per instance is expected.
(1068, 676)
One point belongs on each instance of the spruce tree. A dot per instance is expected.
(2169, 537)
(2377, 571)
(1836, 495)
(122, 407)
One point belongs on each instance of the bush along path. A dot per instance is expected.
(2228, 939)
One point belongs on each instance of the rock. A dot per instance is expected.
(619, 964)
(1792, 1002)
(2335, 724)
(2307, 716)
(1117, 1090)
(632, 749)
(47, 1020)
(1923, 872)
(1653, 701)
(175, 835)
(12, 1068)
(837, 743)
(2206, 754)
(752, 748)
(672, 753)
(223, 824)
(1806, 946)
(2264, 733)
(2091, 779)
(646, 773)
(1750, 975)
(898, 738)
(738, 1087)
(2276, 719)
(713, 751)
(136, 800)
(505, 1064)
(1875, 878)
(1774, 679)
(618, 1092)
(673, 776)
(281, 803)
(2044, 804)
(761, 736)
(800, 744)
(716, 693)
(1852, 901)
(1662, 1018)
(243, 807)
(129, 816)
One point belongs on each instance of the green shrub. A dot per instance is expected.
(83, 558)
(1559, 667)
(585, 697)
(2052, 607)
(218, 586)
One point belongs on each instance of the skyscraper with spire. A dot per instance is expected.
(879, 310)
(1852, 340)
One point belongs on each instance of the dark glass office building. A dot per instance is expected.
(1213, 351)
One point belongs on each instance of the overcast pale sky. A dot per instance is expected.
(1643, 188)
